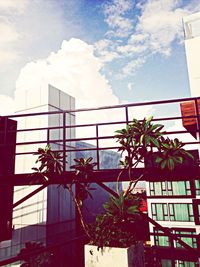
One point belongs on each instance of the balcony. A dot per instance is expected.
(83, 133)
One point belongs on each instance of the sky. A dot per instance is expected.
(103, 52)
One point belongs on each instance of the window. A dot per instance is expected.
(173, 212)
(186, 236)
(172, 188)
(185, 264)
(158, 189)
(178, 263)
(159, 212)
(166, 263)
(197, 187)
(161, 239)
(181, 212)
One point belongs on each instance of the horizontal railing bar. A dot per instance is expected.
(105, 175)
(101, 124)
(180, 235)
(90, 149)
(157, 102)
(88, 139)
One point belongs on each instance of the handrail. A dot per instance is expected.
(156, 102)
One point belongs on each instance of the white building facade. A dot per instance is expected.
(176, 204)
(37, 218)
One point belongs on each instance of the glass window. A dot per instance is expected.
(170, 188)
(173, 212)
(159, 212)
(156, 188)
(181, 212)
(152, 190)
(166, 263)
(197, 187)
(191, 241)
(161, 240)
(179, 188)
(185, 264)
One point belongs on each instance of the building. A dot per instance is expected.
(49, 216)
(37, 218)
(175, 204)
(191, 26)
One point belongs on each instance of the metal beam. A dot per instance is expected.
(106, 175)
(30, 195)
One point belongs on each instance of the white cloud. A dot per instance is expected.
(31, 30)
(8, 37)
(75, 70)
(130, 86)
(6, 105)
(8, 32)
(106, 50)
(115, 12)
(18, 6)
(10, 11)
(160, 24)
(132, 66)
(153, 31)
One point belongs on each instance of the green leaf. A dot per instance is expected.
(163, 164)
(178, 160)
(188, 154)
(166, 145)
(170, 164)
(155, 126)
(158, 160)
(133, 210)
(155, 142)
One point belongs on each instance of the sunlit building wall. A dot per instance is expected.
(52, 205)
(176, 204)
(191, 25)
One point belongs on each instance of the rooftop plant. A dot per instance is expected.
(138, 141)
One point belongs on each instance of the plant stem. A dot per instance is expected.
(84, 225)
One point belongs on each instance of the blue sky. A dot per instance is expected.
(117, 50)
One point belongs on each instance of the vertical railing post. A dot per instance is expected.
(97, 149)
(198, 120)
(64, 142)
(126, 114)
(48, 136)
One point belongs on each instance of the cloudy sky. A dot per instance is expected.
(100, 51)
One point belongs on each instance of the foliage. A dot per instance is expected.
(50, 161)
(138, 141)
(37, 260)
(83, 168)
(171, 153)
(142, 139)
(115, 227)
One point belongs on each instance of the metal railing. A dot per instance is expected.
(65, 129)
(91, 131)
